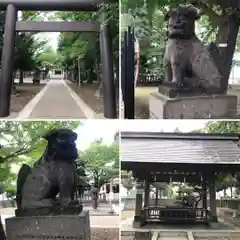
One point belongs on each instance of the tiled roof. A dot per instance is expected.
(179, 135)
(180, 150)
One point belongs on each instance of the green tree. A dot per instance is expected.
(22, 142)
(101, 161)
(224, 181)
(47, 59)
(222, 127)
(27, 46)
(84, 47)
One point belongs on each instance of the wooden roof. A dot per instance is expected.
(179, 148)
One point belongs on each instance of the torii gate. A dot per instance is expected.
(12, 26)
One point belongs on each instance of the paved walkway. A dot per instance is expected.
(56, 101)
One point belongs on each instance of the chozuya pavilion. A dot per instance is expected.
(178, 157)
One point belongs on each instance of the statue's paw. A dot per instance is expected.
(179, 85)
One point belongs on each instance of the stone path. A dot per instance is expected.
(103, 210)
(56, 100)
(222, 230)
(181, 235)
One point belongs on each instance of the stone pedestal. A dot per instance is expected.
(192, 107)
(75, 227)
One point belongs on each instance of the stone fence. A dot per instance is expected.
(232, 203)
(86, 199)
(102, 198)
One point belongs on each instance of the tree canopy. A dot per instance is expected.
(21, 142)
(101, 161)
(84, 47)
(224, 181)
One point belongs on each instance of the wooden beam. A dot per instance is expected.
(53, 5)
(35, 26)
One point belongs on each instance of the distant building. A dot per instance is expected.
(56, 74)
(111, 186)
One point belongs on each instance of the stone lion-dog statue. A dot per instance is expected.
(188, 63)
(52, 175)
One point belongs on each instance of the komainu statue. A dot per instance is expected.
(188, 62)
(50, 186)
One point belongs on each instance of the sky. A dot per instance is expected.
(161, 125)
(91, 130)
(51, 37)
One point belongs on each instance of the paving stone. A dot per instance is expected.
(58, 103)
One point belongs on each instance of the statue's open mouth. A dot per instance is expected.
(176, 33)
(180, 25)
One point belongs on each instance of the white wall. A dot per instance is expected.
(235, 73)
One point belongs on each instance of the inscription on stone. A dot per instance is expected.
(57, 237)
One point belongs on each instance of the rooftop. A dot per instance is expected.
(190, 148)
(180, 135)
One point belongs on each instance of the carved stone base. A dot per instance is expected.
(75, 227)
(195, 107)
(46, 211)
(172, 91)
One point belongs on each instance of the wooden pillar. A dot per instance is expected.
(156, 200)
(138, 203)
(212, 196)
(7, 65)
(146, 193)
(204, 188)
(204, 196)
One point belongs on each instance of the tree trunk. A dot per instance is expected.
(2, 232)
(95, 195)
(227, 33)
(91, 75)
(14, 90)
(231, 192)
(21, 77)
(97, 68)
(224, 193)
(116, 66)
(99, 91)
(95, 203)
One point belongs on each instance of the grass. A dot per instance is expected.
(141, 101)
